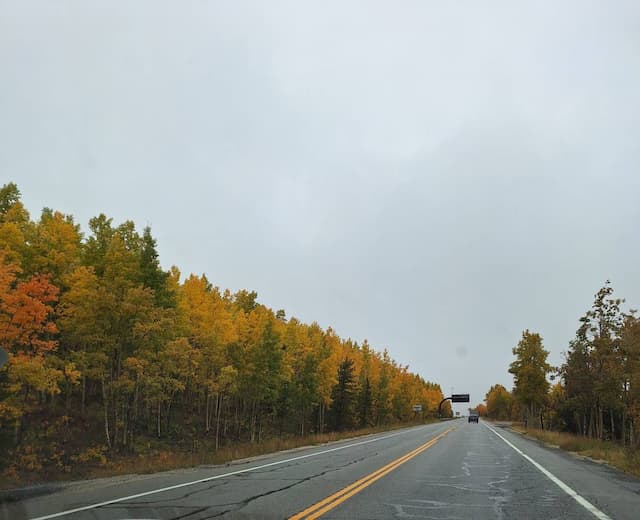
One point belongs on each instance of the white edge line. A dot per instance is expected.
(214, 477)
(568, 490)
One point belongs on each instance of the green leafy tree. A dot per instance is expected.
(630, 349)
(151, 274)
(96, 246)
(16, 229)
(246, 300)
(9, 196)
(530, 370)
(343, 396)
(594, 369)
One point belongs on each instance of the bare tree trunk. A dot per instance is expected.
(115, 421)
(114, 399)
(600, 423)
(106, 413)
(158, 421)
(613, 433)
(218, 406)
(253, 422)
(167, 415)
(206, 412)
(237, 420)
(84, 393)
(134, 414)
(225, 423)
(579, 420)
(169, 405)
(125, 423)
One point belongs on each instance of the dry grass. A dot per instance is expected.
(163, 457)
(166, 460)
(624, 458)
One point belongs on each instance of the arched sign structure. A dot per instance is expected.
(454, 398)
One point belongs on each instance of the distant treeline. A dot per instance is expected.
(597, 392)
(108, 351)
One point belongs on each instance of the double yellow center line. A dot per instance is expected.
(320, 508)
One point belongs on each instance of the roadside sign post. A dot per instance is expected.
(417, 410)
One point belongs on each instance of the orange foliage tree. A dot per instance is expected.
(26, 333)
(110, 351)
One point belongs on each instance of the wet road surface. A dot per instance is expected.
(449, 470)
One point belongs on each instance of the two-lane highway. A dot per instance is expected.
(448, 470)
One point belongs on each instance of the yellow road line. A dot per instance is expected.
(319, 508)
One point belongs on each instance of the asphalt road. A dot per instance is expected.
(450, 470)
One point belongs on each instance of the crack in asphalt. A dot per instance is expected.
(244, 503)
(240, 504)
(186, 515)
(216, 484)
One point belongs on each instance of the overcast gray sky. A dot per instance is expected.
(433, 176)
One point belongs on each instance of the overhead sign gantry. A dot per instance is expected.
(454, 398)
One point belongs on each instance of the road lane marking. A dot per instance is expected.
(567, 489)
(216, 477)
(320, 508)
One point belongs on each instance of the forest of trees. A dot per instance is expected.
(107, 350)
(597, 389)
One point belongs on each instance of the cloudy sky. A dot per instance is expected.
(433, 176)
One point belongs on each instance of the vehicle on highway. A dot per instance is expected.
(473, 417)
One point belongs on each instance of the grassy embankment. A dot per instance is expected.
(163, 457)
(621, 457)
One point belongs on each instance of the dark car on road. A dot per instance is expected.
(473, 417)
